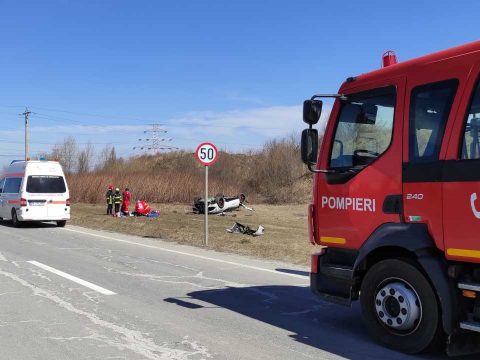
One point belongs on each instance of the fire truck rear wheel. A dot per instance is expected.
(400, 307)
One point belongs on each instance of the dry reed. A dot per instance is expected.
(273, 175)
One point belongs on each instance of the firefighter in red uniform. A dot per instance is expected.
(126, 202)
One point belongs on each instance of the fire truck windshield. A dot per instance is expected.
(364, 128)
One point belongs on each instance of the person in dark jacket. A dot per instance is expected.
(109, 196)
(117, 201)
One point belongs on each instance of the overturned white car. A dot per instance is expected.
(219, 204)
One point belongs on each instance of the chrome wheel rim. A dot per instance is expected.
(398, 306)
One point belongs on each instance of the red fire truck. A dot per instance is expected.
(396, 199)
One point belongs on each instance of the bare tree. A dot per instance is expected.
(107, 158)
(112, 159)
(85, 158)
(66, 153)
(103, 157)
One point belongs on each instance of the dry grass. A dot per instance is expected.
(285, 236)
(272, 175)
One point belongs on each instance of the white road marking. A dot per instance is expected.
(118, 336)
(97, 288)
(189, 254)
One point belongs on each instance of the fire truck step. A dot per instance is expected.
(333, 283)
(470, 325)
(467, 285)
(337, 271)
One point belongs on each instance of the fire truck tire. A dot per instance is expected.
(15, 221)
(400, 307)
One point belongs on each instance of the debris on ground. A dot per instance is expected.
(238, 228)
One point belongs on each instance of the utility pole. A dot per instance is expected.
(26, 114)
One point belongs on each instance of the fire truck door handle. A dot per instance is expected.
(473, 197)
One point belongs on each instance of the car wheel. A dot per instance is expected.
(15, 221)
(61, 223)
(242, 198)
(400, 307)
(220, 200)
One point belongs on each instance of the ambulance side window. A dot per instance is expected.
(12, 185)
(471, 138)
(430, 106)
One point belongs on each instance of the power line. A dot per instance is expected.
(138, 118)
(87, 114)
(58, 120)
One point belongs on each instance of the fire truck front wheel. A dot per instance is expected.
(400, 307)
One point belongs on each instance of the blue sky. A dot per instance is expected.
(232, 72)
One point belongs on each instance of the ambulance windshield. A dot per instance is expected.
(46, 184)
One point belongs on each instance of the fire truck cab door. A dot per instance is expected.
(363, 148)
(461, 178)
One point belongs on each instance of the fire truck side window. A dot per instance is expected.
(364, 128)
(471, 138)
(429, 109)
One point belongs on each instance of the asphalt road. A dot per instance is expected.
(75, 293)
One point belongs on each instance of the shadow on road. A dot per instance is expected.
(30, 225)
(295, 272)
(336, 329)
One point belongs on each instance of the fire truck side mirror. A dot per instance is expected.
(309, 146)
(312, 109)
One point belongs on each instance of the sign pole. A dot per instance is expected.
(206, 206)
(206, 155)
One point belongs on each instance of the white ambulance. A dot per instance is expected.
(34, 191)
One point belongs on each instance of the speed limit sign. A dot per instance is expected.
(206, 153)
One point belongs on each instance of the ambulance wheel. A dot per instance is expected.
(61, 223)
(400, 307)
(15, 221)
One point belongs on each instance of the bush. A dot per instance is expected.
(274, 174)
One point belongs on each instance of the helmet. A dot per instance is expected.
(117, 189)
(110, 187)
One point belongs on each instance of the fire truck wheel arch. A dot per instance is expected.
(415, 242)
